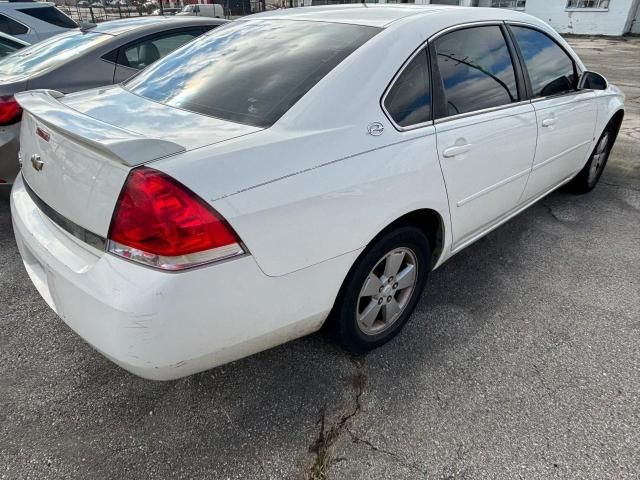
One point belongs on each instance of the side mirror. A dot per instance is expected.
(592, 81)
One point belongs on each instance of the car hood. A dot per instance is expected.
(117, 106)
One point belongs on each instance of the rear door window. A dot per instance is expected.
(142, 54)
(409, 99)
(551, 70)
(250, 71)
(476, 69)
(50, 15)
(11, 27)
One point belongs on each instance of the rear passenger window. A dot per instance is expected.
(409, 99)
(11, 27)
(143, 54)
(50, 15)
(551, 70)
(476, 69)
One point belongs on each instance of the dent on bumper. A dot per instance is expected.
(167, 325)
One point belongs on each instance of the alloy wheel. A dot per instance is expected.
(599, 158)
(386, 291)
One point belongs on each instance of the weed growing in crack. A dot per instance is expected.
(328, 436)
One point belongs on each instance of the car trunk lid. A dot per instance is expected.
(76, 164)
(115, 105)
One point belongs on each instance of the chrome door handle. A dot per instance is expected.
(456, 150)
(547, 122)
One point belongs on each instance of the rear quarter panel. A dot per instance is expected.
(88, 71)
(318, 214)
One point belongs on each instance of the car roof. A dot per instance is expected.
(151, 22)
(385, 15)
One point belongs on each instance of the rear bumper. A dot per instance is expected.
(167, 325)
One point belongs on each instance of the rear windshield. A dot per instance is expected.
(50, 15)
(249, 71)
(51, 52)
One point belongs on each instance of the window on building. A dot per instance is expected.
(445, 2)
(551, 70)
(409, 99)
(11, 27)
(513, 4)
(598, 4)
(476, 69)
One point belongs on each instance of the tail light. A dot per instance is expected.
(10, 111)
(161, 223)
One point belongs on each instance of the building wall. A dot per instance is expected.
(614, 21)
(621, 17)
(634, 20)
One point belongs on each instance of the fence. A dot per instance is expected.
(99, 13)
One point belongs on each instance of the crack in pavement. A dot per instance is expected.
(356, 439)
(551, 212)
(396, 457)
(327, 437)
(625, 187)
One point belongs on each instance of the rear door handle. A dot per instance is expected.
(456, 150)
(547, 122)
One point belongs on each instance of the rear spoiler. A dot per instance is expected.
(124, 146)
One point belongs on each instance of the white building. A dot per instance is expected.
(583, 17)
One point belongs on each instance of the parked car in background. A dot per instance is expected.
(33, 21)
(214, 10)
(166, 11)
(292, 167)
(9, 44)
(85, 58)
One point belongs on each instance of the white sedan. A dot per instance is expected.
(294, 169)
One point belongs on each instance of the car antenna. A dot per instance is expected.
(86, 26)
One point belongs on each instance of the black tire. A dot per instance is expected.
(588, 177)
(343, 322)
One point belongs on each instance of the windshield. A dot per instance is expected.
(249, 71)
(50, 53)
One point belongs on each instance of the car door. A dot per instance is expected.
(135, 56)
(485, 127)
(566, 116)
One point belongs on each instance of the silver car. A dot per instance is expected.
(85, 58)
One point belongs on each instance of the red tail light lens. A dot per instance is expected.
(161, 223)
(10, 111)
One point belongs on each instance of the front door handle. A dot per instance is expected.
(548, 122)
(456, 150)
